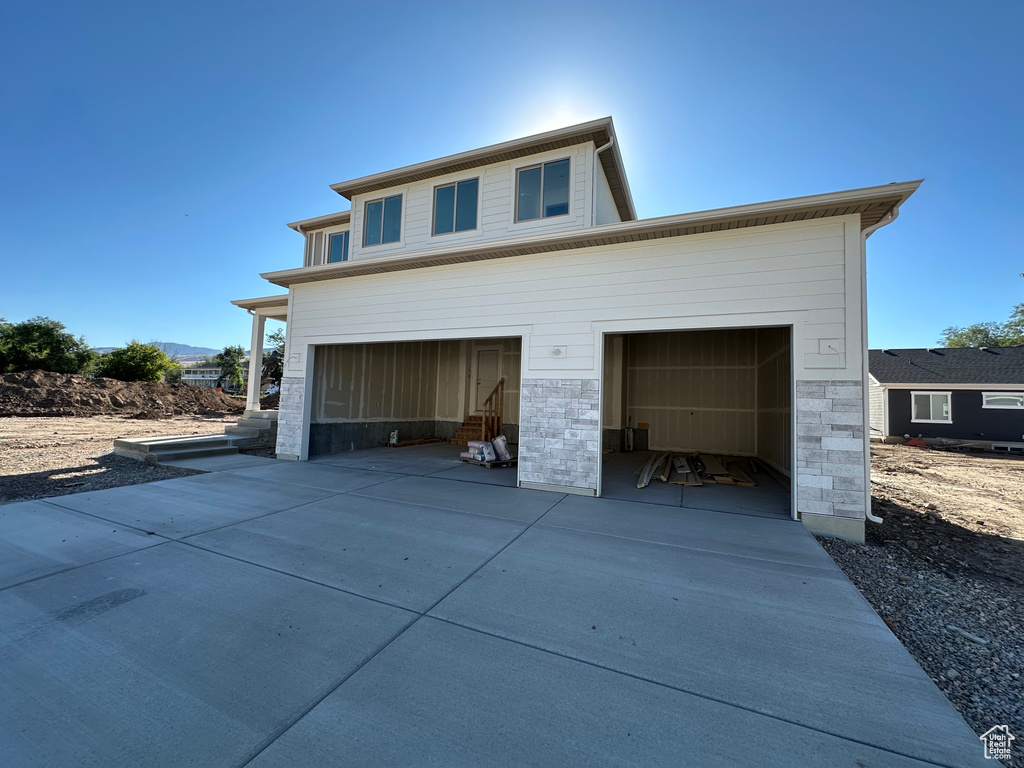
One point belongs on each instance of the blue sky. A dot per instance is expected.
(152, 153)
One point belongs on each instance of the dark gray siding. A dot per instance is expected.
(970, 420)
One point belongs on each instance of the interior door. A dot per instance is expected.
(487, 374)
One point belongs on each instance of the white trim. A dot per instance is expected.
(1002, 394)
(455, 183)
(400, 242)
(570, 188)
(949, 402)
(944, 385)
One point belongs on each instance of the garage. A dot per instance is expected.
(438, 389)
(717, 397)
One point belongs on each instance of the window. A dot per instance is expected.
(383, 221)
(337, 247)
(455, 207)
(542, 191)
(931, 407)
(1002, 399)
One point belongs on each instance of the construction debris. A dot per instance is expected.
(697, 469)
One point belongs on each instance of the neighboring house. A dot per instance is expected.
(207, 376)
(738, 331)
(963, 394)
(201, 375)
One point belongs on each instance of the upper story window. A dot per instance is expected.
(337, 247)
(455, 206)
(1002, 400)
(383, 221)
(542, 190)
(931, 407)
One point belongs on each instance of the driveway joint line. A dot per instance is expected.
(356, 492)
(401, 632)
(373, 484)
(86, 565)
(670, 687)
(684, 546)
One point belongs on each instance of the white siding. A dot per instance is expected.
(495, 208)
(785, 274)
(605, 211)
(876, 408)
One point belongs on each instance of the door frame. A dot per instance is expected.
(474, 373)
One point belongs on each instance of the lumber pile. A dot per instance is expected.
(697, 469)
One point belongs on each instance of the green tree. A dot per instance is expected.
(273, 358)
(134, 362)
(173, 373)
(40, 343)
(992, 334)
(230, 361)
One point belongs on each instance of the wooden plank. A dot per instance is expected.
(650, 468)
(668, 468)
(712, 466)
(738, 475)
(683, 472)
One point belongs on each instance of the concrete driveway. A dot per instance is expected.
(315, 614)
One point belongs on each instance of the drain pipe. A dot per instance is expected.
(593, 184)
(888, 219)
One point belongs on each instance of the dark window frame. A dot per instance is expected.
(455, 208)
(543, 165)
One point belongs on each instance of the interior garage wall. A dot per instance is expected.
(696, 389)
(774, 398)
(375, 382)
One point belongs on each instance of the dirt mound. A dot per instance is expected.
(41, 393)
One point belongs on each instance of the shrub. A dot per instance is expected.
(40, 343)
(134, 362)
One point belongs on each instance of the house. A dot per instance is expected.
(198, 375)
(520, 273)
(962, 394)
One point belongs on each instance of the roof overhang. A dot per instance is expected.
(274, 307)
(872, 204)
(319, 222)
(601, 132)
(923, 385)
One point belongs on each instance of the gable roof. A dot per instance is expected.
(598, 131)
(872, 204)
(967, 365)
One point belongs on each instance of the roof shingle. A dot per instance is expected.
(989, 365)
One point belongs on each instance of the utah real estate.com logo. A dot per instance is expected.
(997, 742)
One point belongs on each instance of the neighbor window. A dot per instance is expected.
(337, 248)
(542, 190)
(383, 222)
(455, 207)
(1002, 399)
(931, 407)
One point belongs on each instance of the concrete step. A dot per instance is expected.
(265, 425)
(261, 415)
(170, 457)
(256, 432)
(157, 447)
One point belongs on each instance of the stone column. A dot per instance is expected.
(252, 402)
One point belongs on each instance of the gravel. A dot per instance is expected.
(966, 632)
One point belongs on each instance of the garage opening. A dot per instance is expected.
(423, 390)
(718, 402)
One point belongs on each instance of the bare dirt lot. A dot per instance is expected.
(945, 571)
(42, 457)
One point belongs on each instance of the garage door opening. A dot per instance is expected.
(362, 393)
(718, 401)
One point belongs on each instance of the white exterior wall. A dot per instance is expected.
(605, 211)
(495, 209)
(803, 274)
(876, 408)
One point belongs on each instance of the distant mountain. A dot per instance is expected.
(172, 348)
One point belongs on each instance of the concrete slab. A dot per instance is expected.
(779, 540)
(767, 498)
(411, 460)
(442, 695)
(618, 481)
(171, 655)
(188, 505)
(404, 555)
(796, 643)
(326, 476)
(37, 539)
(474, 473)
(220, 463)
(506, 503)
